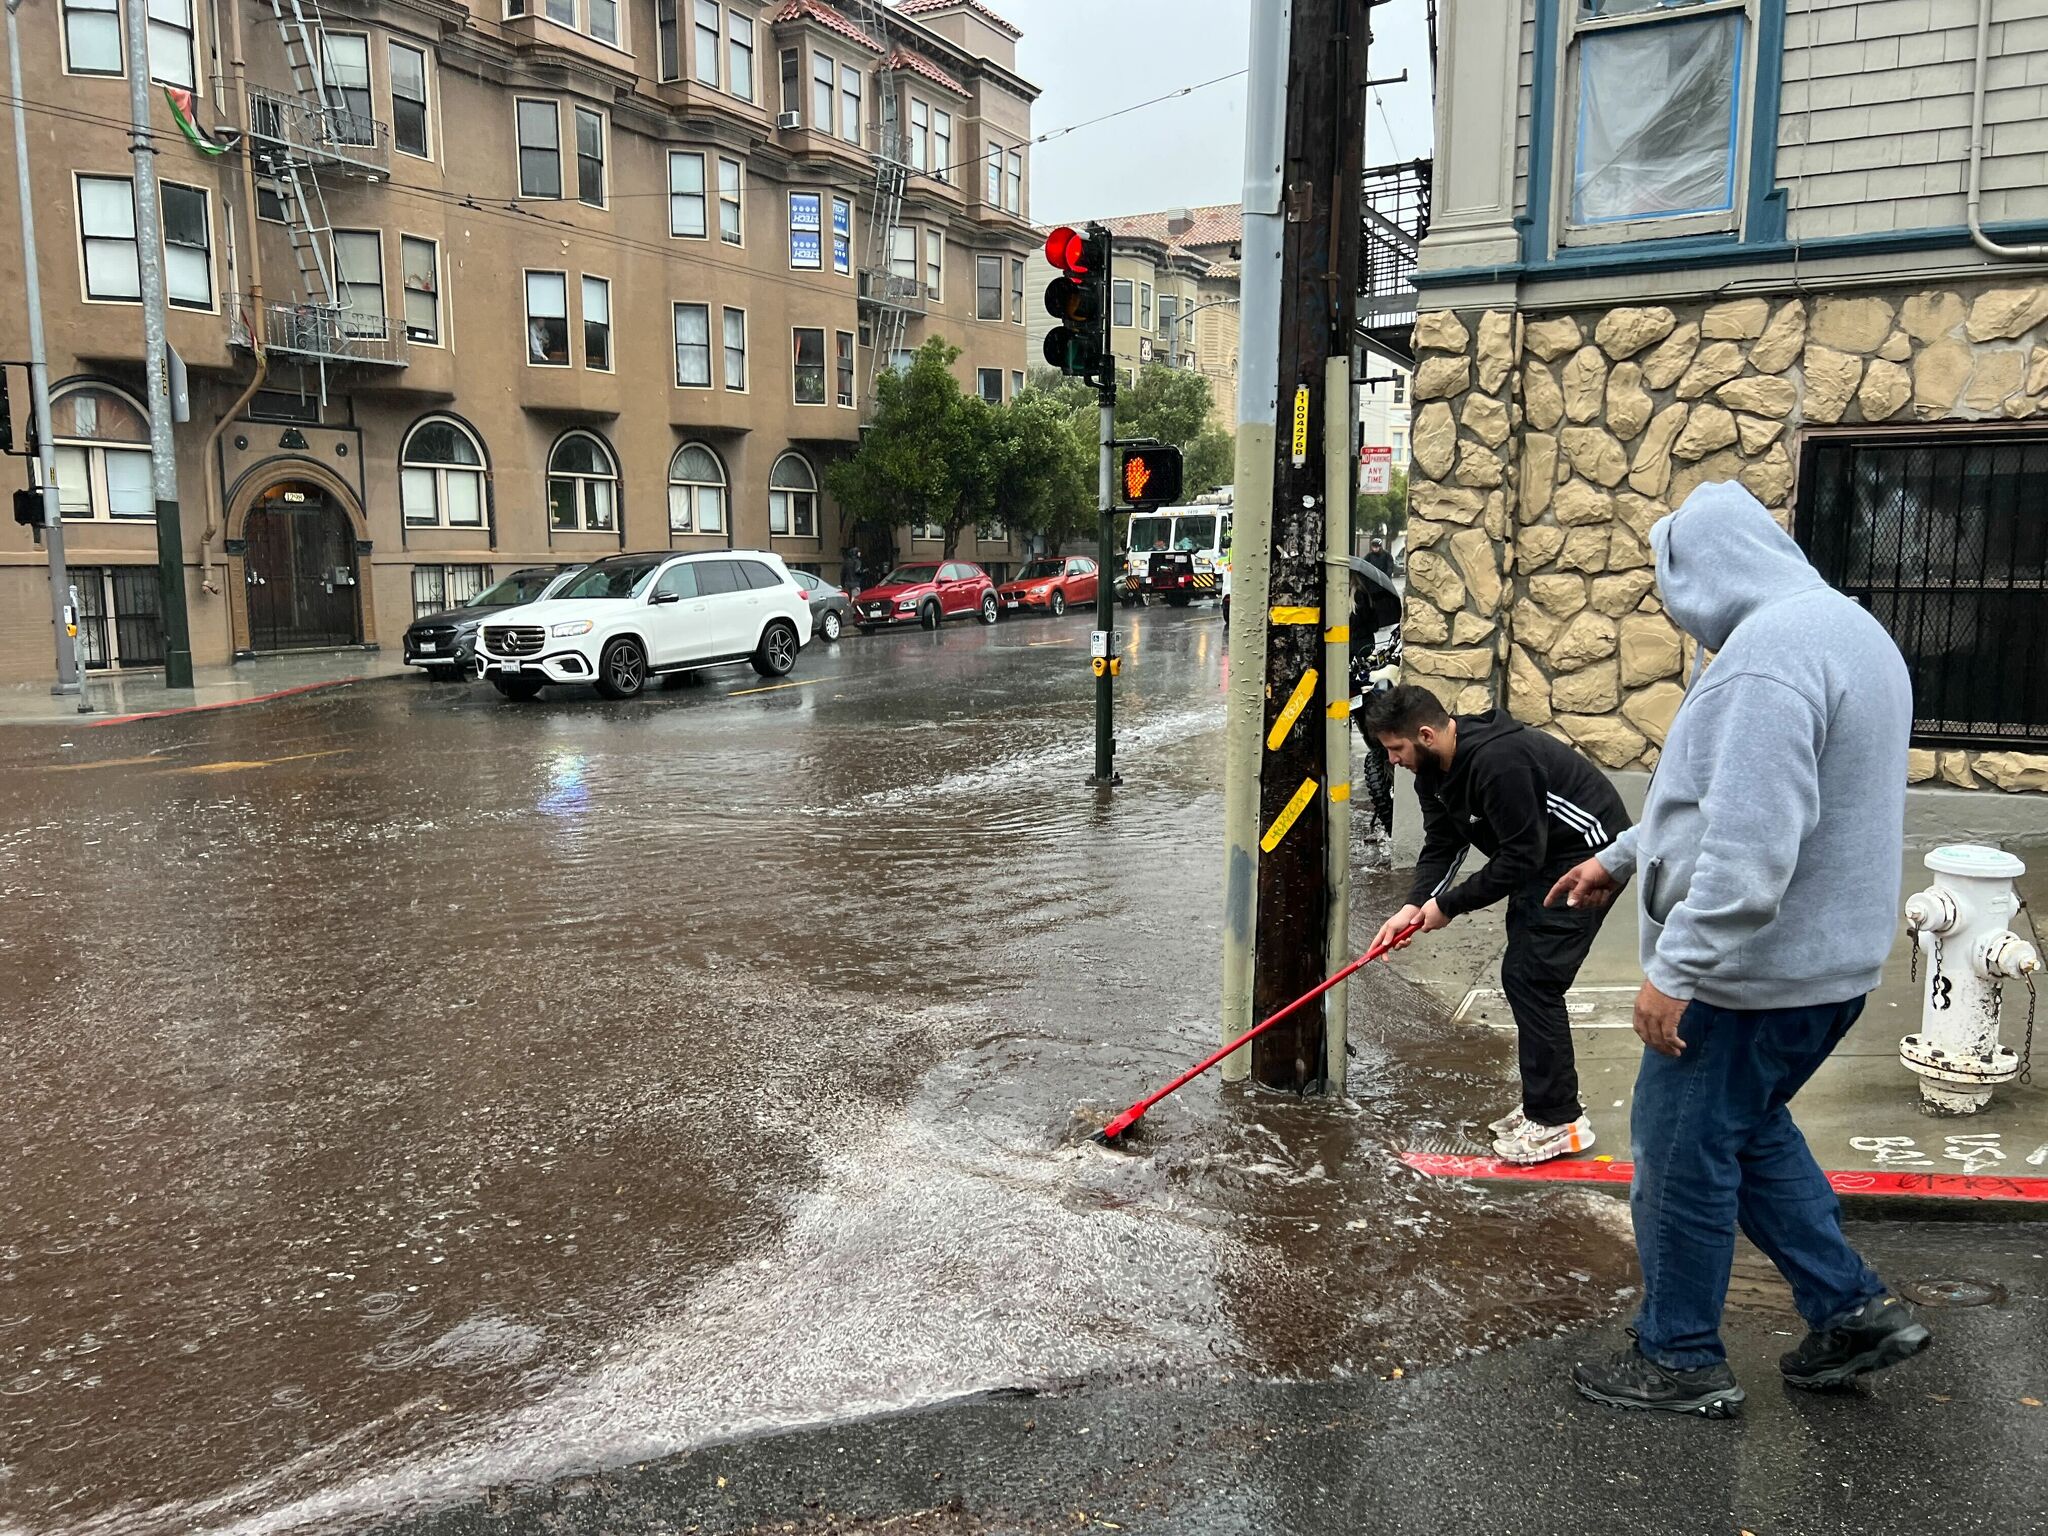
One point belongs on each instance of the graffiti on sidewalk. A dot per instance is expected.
(1975, 1152)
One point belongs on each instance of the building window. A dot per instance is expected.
(106, 226)
(101, 439)
(409, 100)
(547, 319)
(590, 157)
(736, 349)
(693, 346)
(842, 236)
(696, 491)
(808, 354)
(1144, 306)
(994, 196)
(1017, 292)
(843, 355)
(730, 226)
(988, 287)
(437, 588)
(920, 135)
(930, 533)
(420, 270)
(687, 219)
(188, 255)
(1939, 535)
(942, 144)
(1400, 387)
(1120, 302)
(667, 42)
(359, 281)
(740, 45)
(441, 476)
(540, 148)
(583, 485)
(1655, 116)
(849, 103)
(1013, 197)
(345, 68)
(172, 56)
(792, 76)
(935, 263)
(1400, 446)
(707, 42)
(1016, 382)
(806, 250)
(92, 37)
(597, 324)
(793, 498)
(128, 595)
(988, 383)
(824, 74)
(902, 260)
(1169, 312)
(604, 21)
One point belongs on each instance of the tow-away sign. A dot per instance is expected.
(1375, 470)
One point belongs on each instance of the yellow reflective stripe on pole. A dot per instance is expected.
(1304, 797)
(1337, 634)
(1296, 703)
(1340, 791)
(1297, 615)
(1341, 710)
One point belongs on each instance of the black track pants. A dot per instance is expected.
(1546, 947)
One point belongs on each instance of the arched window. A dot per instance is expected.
(102, 441)
(583, 485)
(696, 491)
(441, 476)
(793, 498)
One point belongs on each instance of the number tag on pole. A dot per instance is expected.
(1300, 447)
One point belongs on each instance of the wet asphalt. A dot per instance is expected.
(425, 1106)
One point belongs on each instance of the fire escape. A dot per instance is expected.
(888, 297)
(1396, 214)
(296, 135)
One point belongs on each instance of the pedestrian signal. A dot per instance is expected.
(1151, 476)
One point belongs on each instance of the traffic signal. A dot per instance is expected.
(28, 508)
(6, 415)
(1151, 476)
(1079, 300)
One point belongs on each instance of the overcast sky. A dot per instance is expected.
(1185, 152)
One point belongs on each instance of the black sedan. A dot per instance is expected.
(830, 607)
(443, 642)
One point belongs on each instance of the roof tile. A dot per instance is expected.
(827, 17)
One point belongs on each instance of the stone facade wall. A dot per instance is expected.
(1546, 445)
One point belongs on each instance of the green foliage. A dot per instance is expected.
(1170, 404)
(1389, 511)
(1211, 461)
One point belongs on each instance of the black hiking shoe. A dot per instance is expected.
(1880, 1333)
(1631, 1379)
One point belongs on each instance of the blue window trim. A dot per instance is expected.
(1763, 215)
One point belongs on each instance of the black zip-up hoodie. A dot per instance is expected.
(1527, 801)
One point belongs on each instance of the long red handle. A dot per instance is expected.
(1131, 1116)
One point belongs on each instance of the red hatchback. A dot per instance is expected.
(928, 595)
(1052, 585)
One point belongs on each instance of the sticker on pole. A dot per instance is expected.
(1300, 426)
(1375, 470)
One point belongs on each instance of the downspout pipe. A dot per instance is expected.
(211, 475)
(1985, 243)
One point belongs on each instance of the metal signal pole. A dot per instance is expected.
(1105, 658)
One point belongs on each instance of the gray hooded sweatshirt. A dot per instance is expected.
(1769, 852)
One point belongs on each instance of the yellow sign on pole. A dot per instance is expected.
(1304, 797)
(1303, 692)
(1300, 426)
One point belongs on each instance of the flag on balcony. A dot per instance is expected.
(183, 113)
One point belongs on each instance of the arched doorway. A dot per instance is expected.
(300, 570)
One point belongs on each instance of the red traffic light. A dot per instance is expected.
(1067, 250)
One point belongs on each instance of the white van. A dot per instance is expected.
(1201, 531)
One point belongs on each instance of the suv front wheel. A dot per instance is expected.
(622, 669)
(776, 656)
(988, 608)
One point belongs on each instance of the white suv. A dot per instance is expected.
(623, 620)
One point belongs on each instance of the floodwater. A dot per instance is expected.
(413, 1093)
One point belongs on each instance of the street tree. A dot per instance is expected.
(1388, 512)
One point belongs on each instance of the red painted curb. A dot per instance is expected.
(1847, 1181)
(201, 709)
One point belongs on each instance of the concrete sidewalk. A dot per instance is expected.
(119, 697)
(1861, 1113)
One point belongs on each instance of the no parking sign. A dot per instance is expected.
(1375, 470)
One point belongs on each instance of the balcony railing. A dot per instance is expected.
(319, 135)
(1396, 212)
(892, 290)
(324, 331)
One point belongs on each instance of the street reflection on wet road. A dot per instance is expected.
(412, 1091)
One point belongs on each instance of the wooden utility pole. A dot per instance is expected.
(1307, 647)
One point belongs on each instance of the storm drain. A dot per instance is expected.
(1954, 1293)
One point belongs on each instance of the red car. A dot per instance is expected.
(927, 594)
(1052, 585)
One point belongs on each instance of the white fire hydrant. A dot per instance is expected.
(1964, 950)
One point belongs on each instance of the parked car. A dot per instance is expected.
(444, 642)
(1051, 585)
(927, 594)
(830, 607)
(619, 621)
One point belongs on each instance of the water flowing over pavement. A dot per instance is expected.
(414, 1092)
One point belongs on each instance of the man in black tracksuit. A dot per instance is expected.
(1535, 808)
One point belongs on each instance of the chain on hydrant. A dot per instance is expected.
(1956, 1052)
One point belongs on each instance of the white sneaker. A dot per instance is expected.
(1508, 1123)
(1534, 1143)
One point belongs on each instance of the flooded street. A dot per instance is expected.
(413, 1092)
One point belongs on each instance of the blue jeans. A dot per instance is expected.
(1714, 1145)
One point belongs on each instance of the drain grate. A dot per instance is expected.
(1954, 1293)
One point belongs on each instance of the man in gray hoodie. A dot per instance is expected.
(1769, 857)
